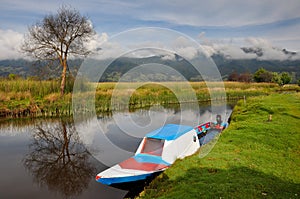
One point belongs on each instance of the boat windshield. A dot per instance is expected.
(153, 146)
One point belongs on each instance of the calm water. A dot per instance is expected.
(53, 158)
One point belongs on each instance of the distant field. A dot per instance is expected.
(35, 98)
(253, 158)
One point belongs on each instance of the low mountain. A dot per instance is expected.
(120, 66)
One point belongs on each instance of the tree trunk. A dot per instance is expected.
(66, 141)
(63, 77)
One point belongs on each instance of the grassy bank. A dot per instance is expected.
(167, 93)
(253, 158)
(21, 98)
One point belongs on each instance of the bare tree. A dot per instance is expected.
(57, 36)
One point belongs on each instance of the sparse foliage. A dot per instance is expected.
(58, 36)
(233, 76)
(245, 77)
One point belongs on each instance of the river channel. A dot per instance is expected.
(49, 158)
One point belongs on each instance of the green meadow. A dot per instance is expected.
(253, 158)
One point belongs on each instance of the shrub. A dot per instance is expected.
(285, 78)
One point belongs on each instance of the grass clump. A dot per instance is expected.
(254, 157)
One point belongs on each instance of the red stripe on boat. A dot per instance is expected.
(131, 163)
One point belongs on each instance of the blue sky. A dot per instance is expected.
(275, 22)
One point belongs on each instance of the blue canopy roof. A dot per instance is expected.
(169, 132)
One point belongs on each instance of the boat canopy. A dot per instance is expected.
(169, 132)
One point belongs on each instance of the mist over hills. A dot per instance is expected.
(253, 59)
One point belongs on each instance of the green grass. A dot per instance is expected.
(30, 97)
(253, 158)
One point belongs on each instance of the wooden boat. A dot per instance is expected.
(157, 151)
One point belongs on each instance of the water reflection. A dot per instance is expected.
(58, 160)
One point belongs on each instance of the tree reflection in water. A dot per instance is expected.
(59, 160)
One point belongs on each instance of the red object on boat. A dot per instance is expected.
(207, 125)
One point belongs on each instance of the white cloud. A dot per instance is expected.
(269, 51)
(209, 50)
(103, 48)
(258, 42)
(96, 42)
(187, 52)
(168, 57)
(231, 50)
(10, 42)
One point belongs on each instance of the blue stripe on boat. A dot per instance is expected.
(150, 159)
(169, 132)
(116, 180)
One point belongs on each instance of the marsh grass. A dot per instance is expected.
(43, 98)
(36, 88)
(150, 93)
(254, 157)
(21, 97)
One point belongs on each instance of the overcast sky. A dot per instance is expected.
(214, 23)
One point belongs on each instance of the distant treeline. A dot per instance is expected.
(263, 75)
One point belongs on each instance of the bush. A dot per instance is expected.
(262, 75)
(12, 76)
(285, 78)
(277, 78)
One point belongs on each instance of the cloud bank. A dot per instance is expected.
(247, 48)
(10, 44)
(243, 48)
